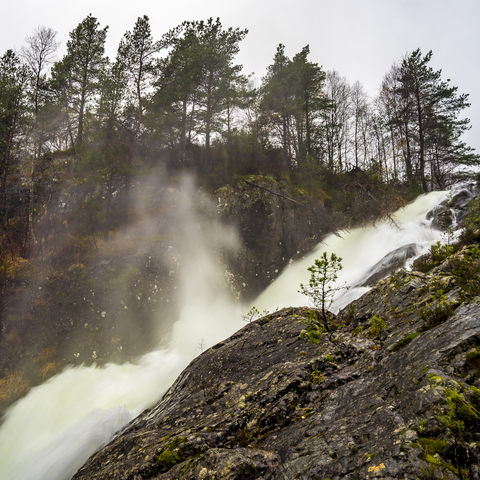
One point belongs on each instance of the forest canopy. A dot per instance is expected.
(181, 102)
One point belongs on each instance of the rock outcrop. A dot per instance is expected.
(365, 402)
(116, 302)
(274, 229)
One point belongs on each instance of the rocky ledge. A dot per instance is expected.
(390, 394)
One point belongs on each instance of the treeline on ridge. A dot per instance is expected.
(182, 103)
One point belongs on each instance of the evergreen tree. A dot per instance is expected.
(293, 102)
(427, 114)
(308, 80)
(147, 76)
(109, 158)
(173, 113)
(13, 106)
(78, 73)
(219, 75)
(278, 101)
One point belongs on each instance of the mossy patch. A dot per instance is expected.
(174, 453)
(405, 341)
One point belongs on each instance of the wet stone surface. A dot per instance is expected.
(268, 404)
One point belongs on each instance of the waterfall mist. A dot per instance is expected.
(51, 432)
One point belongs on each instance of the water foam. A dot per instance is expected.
(51, 432)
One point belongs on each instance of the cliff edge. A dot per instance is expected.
(392, 393)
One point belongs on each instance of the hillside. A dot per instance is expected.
(392, 393)
(84, 300)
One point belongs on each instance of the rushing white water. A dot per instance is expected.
(360, 249)
(50, 433)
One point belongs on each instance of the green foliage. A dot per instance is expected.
(173, 453)
(376, 326)
(404, 342)
(426, 98)
(466, 268)
(473, 359)
(357, 330)
(313, 327)
(432, 446)
(321, 287)
(438, 253)
(421, 425)
(395, 278)
(291, 100)
(471, 232)
(76, 76)
(79, 276)
(437, 311)
(461, 420)
(167, 459)
(318, 377)
(122, 279)
(254, 314)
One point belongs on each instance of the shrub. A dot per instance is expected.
(313, 327)
(376, 326)
(438, 253)
(437, 311)
(321, 287)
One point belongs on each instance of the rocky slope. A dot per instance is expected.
(396, 399)
(117, 299)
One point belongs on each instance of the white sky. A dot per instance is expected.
(359, 38)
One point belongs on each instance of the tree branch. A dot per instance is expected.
(296, 202)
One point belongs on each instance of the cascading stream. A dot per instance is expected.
(361, 249)
(50, 433)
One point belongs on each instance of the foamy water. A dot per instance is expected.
(361, 249)
(51, 432)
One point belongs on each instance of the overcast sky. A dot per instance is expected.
(358, 38)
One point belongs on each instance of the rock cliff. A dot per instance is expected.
(392, 394)
(273, 227)
(113, 302)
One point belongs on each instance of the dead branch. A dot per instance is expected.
(384, 212)
(296, 202)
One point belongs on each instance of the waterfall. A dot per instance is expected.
(360, 249)
(51, 432)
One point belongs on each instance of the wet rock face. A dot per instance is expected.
(273, 231)
(389, 263)
(268, 404)
(453, 212)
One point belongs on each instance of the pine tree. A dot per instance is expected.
(147, 76)
(219, 75)
(427, 115)
(13, 107)
(77, 74)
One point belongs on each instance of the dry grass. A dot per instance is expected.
(49, 369)
(47, 354)
(12, 387)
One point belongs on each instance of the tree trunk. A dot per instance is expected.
(107, 206)
(208, 119)
(128, 182)
(183, 136)
(421, 136)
